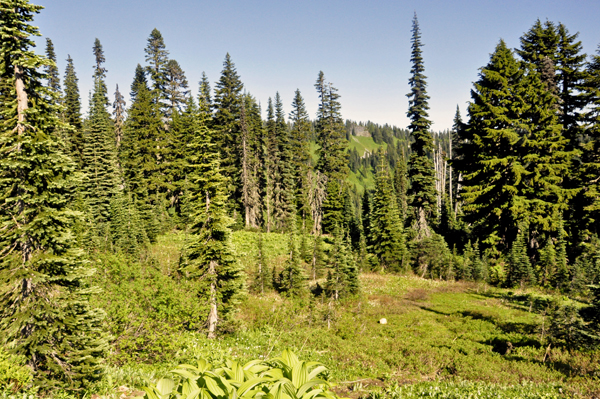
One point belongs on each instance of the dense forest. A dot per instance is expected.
(509, 198)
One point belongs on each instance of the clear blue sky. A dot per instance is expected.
(363, 47)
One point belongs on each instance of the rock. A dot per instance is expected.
(383, 321)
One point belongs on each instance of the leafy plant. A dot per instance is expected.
(284, 377)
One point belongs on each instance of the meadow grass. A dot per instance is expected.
(441, 338)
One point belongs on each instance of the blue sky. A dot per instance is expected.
(363, 47)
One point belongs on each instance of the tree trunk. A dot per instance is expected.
(212, 315)
(21, 99)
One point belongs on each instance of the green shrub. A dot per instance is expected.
(15, 376)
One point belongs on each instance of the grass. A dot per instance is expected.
(440, 337)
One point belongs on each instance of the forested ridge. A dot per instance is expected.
(183, 204)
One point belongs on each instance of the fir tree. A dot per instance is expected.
(488, 158)
(342, 278)
(386, 229)
(100, 71)
(292, 280)
(520, 270)
(176, 86)
(204, 99)
(285, 188)
(138, 79)
(332, 152)
(301, 159)
(250, 152)
(269, 161)
(209, 257)
(72, 112)
(157, 57)
(422, 194)
(119, 115)
(226, 122)
(51, 69)
(401, 188)
(45, 314)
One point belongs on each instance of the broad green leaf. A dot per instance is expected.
(213, 387)
(151, 392)
(165, 386)
(315, 372)
(299, 374)
(304, 388)
(251, 384)
(195, 394)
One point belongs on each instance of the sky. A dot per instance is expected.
(363, 47)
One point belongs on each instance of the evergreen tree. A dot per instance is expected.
(157, 57)
(45, 314)
(204, 99)
(285, 188)
(209, 257)
(422, 194)
(488, 158)
(301, 158)
(99, 157)
(226, 122)
(332, 152)
(142, 148)
(520, 271)
(387, 235)
(588, 199)
(176, 86)
(249, 178)
(270, 161)
(119, 115)
(72, 112)
(292, 280)
(51, 69)
(401, 188)
(138, 79)
(100, 71)
(342, 278)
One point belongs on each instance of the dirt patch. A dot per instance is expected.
(417, 295)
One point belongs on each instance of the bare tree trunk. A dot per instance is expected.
(21, 99)
(212, 315)
(457, 203)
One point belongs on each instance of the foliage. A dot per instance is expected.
(15, 376)
(283, 377)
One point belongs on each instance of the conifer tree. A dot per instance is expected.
(157, 57)
(209, 256)
(269, 161)
(422, 194)
(401, 188)
(342, 278)
(138, 79)
(100, 71)
(588, 198)
(51, 69)
(332, 152)
(285, 188)
(45, 314)
(387, 233)
(99, 156)
(226, 122)
(204, 99)
(488, 159)
(176, 87)
(249, 178)
(142, 148)
(119, 116)
(72, 113)
(292, 279)
(301, 161)
(520, 270)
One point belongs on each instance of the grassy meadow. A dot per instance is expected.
(442, 339)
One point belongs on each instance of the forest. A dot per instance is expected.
(184, 246)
